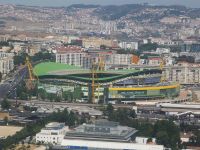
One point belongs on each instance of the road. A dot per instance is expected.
(42, 103)
(9, 85)
(4, 89)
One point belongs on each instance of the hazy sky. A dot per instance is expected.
(189, 3)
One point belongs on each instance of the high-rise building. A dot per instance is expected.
(71, 55)
(184, 73)
(72, 58)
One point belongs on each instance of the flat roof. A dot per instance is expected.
(105, 145)
(187, 106)
(102, 130)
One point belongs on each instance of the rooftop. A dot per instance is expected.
(50, 70)
(67, 49)
(102, 130)
(54, 126)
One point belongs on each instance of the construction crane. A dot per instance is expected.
(32, 78)
(161, 68)
(93, 82)
(100, 66)
(101, 63)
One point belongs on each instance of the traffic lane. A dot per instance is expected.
(11, 86)
(4, 88)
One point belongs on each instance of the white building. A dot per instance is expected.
(104, 135)
(183, 73)
(105, 145)
(52, 133)
(154, 60)
(70, 58)
(129, 45)
(144, 140)
(6, 62)
(163, 50)
(121, 59)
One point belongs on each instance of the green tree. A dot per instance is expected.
(66, 95)
(4, 43)
(145, 129)
(195, 139)
(50, 97)
(163, 138)
(24, 96)
(132, 114)
(22, 92)
(121, 116)
(110, 108)
(43, 55)
(42, 94)
(5, 104)
(77, 94)
(58, 98)
(197, 134)
(148, 47)
(167, 130)
(20, 59)
(72, 119)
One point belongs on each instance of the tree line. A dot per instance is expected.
(165, 132)
(40, 56)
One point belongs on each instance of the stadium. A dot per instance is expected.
(110, 85)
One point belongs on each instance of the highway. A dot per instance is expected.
(8, 87)
(4, 88)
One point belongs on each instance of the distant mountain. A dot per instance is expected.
(114, 12)
(83, 6)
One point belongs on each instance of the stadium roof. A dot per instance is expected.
(48, 67)
(50, 70)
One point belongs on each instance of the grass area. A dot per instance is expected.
(45, 68)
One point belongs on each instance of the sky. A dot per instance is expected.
(188, 3)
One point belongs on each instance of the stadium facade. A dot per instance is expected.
(122, 84)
